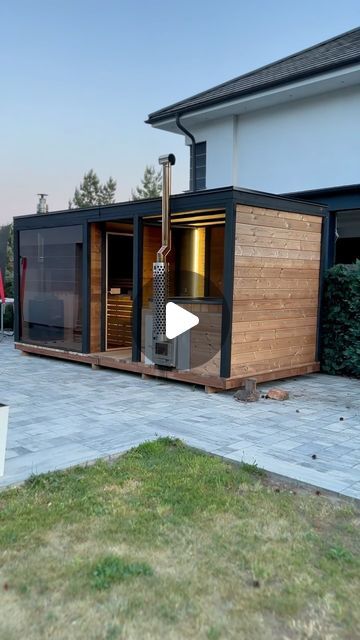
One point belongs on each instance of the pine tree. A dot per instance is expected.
(107, 191)
(92, 193)
(151, 185)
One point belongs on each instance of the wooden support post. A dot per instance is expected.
(250, 386)
(211, 389)
(249, 393)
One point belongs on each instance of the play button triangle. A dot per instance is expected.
(178, 320)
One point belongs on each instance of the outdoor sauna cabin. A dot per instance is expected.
(248, 264)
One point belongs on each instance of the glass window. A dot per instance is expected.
(51, 287)
(200, 166)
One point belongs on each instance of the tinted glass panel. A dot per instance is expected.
(347, 250)
(51, 286)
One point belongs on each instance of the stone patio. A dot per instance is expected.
(62, 413)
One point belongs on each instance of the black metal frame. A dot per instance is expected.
(211, 199)
(228, 290)
(324, 265)
(214, 200)
(336, 200)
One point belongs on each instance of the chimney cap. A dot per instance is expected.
(167, 159)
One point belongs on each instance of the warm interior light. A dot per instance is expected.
(190, 248)
(198, 261)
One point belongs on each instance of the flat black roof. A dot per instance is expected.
(344, 197)
(209, 200)
(346, 188)
(340, 51)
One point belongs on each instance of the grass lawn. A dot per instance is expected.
(169, 543)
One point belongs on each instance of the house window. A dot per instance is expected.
(200, 166)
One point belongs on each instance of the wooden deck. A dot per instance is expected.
(120, 359)
(120, 354)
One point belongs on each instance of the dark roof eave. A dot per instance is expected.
(326, 190)
(171, 111)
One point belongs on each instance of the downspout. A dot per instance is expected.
(193, 146)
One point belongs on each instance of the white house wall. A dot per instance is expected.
(308, 144)
(219, 136)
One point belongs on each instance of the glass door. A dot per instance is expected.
(119, 290)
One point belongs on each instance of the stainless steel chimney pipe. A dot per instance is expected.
(163, 349)
(167, 162)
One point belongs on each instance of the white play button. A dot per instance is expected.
(178, 320)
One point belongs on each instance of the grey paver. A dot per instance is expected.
(63, 414)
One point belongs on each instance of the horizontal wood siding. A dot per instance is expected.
(216, 261)
(276, 288)
(205, 338)
(119, 321)
(151, 244)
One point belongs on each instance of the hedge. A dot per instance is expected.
(341, 320)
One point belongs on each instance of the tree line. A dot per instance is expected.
(92, 192)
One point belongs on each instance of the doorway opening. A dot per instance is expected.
(119, 290)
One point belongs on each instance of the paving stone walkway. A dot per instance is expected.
(62, 413)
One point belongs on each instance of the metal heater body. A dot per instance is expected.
(164, 350)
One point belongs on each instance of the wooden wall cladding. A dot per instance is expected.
(205, 338)
(119, 321)
(95, 287)
(151, 245)
(216, 260)
(276, 289)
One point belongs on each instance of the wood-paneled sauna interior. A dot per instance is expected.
(111, 285)
(248, 264)
(196, 277)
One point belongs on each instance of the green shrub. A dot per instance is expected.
(341, 320)
(9, 318)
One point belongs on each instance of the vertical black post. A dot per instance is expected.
(226, 323)
(137, 288)
(17, 306)
(86, 284)
(332, 240)
(324, 265)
